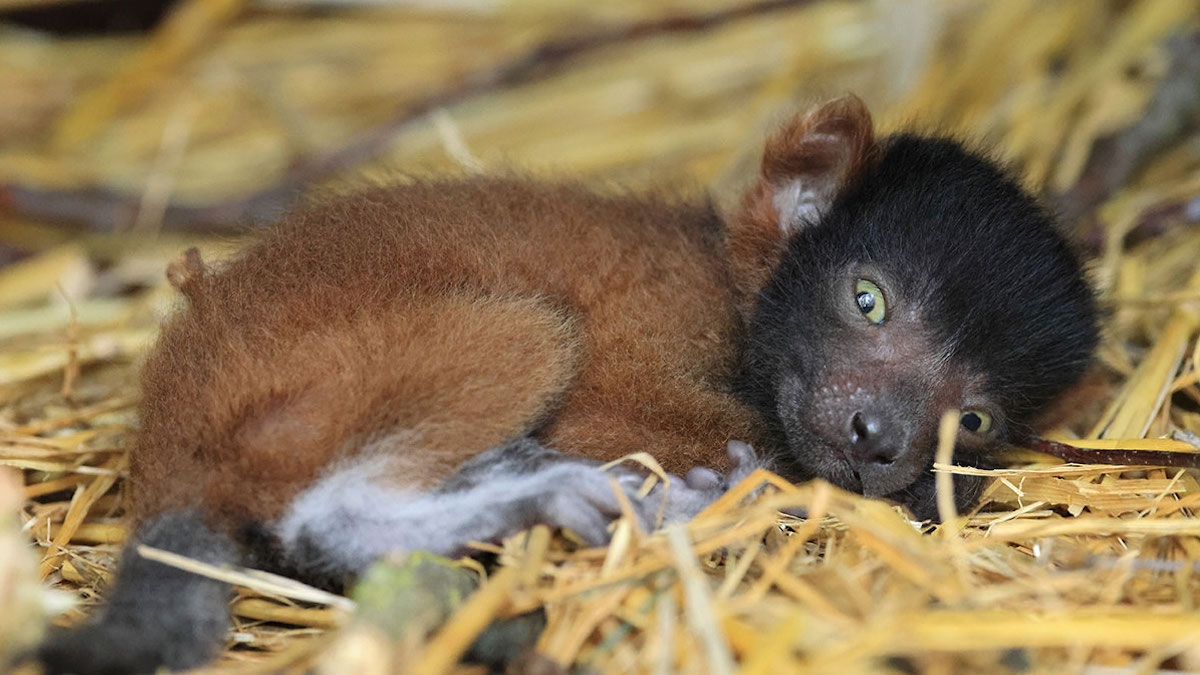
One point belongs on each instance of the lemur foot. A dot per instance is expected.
(701, 486)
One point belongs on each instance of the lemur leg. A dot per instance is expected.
(350, 518)
(685, 497)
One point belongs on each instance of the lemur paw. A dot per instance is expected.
(579, 496)
(582, 497)
(522, 484)
(701, 486)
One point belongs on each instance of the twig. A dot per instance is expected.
(698, 602)
(1070, 453)
(263, 582)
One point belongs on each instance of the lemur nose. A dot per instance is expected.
(872, 439)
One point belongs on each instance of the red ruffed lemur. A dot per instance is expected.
(419, 366)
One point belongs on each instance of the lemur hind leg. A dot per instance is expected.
(352, 517)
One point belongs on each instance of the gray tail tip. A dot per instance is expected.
(118, 648)
(93, 650)
(156, 615)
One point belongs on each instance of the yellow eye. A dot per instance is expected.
(870, 301)
(976, 421)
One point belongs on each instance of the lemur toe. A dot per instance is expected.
(583, 498)
(703, 478)
(743, 459)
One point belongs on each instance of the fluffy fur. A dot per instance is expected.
(463, 313)
(422, 365)
(157, 615)
(987, 310)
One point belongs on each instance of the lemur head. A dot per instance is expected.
(890, 281)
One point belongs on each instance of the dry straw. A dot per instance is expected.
(1063, 568)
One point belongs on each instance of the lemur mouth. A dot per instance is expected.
(843, 473)
(844, 476)
(854, 485)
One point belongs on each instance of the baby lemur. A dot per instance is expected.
(429, 364)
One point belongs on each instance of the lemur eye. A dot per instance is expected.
(976, 421)
(870, 301)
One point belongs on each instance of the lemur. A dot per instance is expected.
(423, 365)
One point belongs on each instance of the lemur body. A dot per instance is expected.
(429, 323)
(424, 365)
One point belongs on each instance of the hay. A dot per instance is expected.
(228, 109)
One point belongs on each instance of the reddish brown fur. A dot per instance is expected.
(463, 313)
(829, 147)
(435, 321)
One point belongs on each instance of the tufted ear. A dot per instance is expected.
(813, 158)
(810, 161)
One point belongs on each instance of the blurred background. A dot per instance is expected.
(131, 118)
(131, 129)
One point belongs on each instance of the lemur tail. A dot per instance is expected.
(156, 615)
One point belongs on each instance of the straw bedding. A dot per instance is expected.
(118, 151)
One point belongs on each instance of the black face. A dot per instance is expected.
(935, 284)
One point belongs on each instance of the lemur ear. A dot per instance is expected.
(813, 158)
(810, 161)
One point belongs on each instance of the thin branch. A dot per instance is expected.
(1070, 453)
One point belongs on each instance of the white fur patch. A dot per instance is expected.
(349, 513)
(798, 204)
(353, 516)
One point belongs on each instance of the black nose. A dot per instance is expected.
(874, 440)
